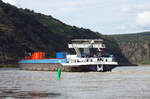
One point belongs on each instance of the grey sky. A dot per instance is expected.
(104, 16)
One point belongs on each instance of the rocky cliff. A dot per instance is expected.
(135, 47)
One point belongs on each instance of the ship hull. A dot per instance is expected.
(55, 66)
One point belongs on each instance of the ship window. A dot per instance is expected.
(101, 59)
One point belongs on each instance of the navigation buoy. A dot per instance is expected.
(58, 73)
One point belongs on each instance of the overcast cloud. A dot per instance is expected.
(104, 16)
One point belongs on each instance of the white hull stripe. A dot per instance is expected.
(89, 63)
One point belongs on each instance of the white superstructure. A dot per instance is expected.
(84, 57)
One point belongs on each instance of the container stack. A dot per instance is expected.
(36, 55)
(41, 55)
(61, 54)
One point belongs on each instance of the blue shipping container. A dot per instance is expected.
(61, 54)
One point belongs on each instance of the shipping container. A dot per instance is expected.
(61, 54)
(38, 55)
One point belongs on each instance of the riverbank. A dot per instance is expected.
(8, 66)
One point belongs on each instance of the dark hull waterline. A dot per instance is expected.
(55, 66)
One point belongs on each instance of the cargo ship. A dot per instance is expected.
(89, 57)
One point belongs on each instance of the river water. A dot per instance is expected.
(121, 83)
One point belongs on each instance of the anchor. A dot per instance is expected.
(99, 68)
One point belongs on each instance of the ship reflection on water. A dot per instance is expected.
(11, 94)
(121, 83)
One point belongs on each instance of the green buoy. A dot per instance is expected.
(58, 73)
